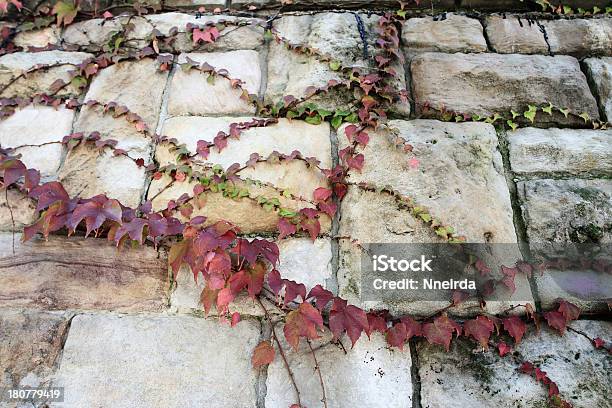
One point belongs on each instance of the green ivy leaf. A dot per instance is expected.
(324, 113)
(283, 212)
(336, 122)
(401, 13)
(313, 120)
(334, 65)
(514, 114)
(567, 10)
(596, 10)
(548, 109)
(565, 111)
(352, 118)
(585, 116)
(512, 124)
(530, 113)
(268, 35)
(210, 79)
(425, 217)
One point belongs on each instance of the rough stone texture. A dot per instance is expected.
(192, 94)
(600, 75)
(86, 171)
(22, 208)
(567, 151)
(465, 377)
(454, 33)
(300, 260)
(155, 362)
(459, 180)
(368, 375)
(195, 3)
(249, 36)
(515, 35)
(333, 34)
(98, 34)
(30, 344)
(37, 125)
(79, 273)
(580, 37)
(12, 66)
(38, 38)
(567, 210)
(294, 176)
(487, 83)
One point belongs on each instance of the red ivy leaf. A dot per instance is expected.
(441, 331)
(569, 310)
(302, 322)
(322, 194)
(480, 329)
(503, 349)
(263, 354)
(321, 296)
(396, 335)
(347, 317)
(515, 326)
(556, 320)
(285, 228)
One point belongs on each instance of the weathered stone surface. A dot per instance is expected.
(191, 93)
(580, 37)
(368, 375)
(515, 35)
(12, 66)
(300, 260)
(567, 210)
(195, 3)
(171, 361)
(566, 151)
(30, 344)
(22, 211)
(33, 126)
(293, 176)
(484, 84)
(464, 378)
(87, 172)
(459, 180)
(98, 34)
(245, 37)
(600, 75)
(454, 33)
(38, 38)
(333, 34)
(459, 177)
(79, 273)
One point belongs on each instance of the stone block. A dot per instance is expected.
(580, 37)
(450, 33)
(600, 75)
(192, 94)
(80, 273)
(510, 34)
(485, 84)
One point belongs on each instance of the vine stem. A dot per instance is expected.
(318, 369)
(281, 351)
(8, 205)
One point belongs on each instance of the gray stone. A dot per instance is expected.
(33, 127)
(368, 375)
(565, 151)
(333, 34)
(98, 34)
(459, 180)
(80, 273)
(293, 176)
(246, 35)
(195, 3)
(580, 37)
(600, 75)
(515, 35)
(192, 94)
(484, 84)
(467, 377)
(22, 211)
(564, 211)
(156, 361)
(12, 66)
(30, 346)
(38, 38)
(455, 33)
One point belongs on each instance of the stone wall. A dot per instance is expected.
(109, 327)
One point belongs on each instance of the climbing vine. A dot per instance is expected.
(232, 265)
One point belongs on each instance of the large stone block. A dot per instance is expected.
(13, 68)
(30, 345)
(79, 273)
(565, 211)
(566, 151)
(333, 34)
(459, 180)
(450, 33)
(509, 34)
(34, 128)
(17, 212)
(191, 93)
(99, 34)
(158, 362)
(465, 377)
(293, 176)
(369, 375)
(580, 37)
(600, 75)
(239, 33)
(38, 38)
(484, 84)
